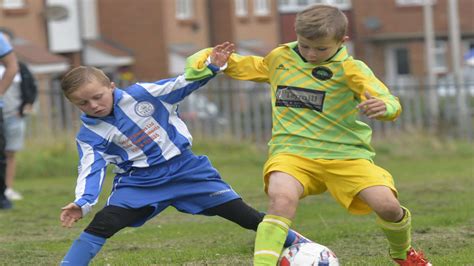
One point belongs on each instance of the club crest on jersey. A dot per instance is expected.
(144, 109)
(322, 73)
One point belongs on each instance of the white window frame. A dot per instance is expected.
(184, 9)
(440, 52)
(241, 8)
(261, 7)
(398, 59)
(414, 2)
(13, 4)
(292, 6)
(391, 64)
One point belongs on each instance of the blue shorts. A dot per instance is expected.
(187, 182)
(14, 128)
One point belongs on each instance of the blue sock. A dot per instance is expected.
(83, 249)
(290, 238)
(294, 238)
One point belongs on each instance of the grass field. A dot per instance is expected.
(435, 180)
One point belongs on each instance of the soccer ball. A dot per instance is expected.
(306, 254)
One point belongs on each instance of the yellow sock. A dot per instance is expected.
(398, 235)
(271, 235)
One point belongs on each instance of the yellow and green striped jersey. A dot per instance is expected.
(314, 106)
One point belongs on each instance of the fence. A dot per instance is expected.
(228, 109)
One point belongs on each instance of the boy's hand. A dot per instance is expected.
(372, 107)
(221, 53)
(70, 214)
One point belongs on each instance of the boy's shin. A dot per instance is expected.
(83, 249)
(270, 239)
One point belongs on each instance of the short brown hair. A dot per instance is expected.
(79, 76)
(319, 21)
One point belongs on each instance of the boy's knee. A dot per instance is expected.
(283, 205)
(284, 197)
(284, 201)
(105, 224)
(390, 211)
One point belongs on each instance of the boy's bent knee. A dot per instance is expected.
(284, 192)
(390, 211)
(112, 219)
(283, 205)
(283, 185)
(104, 224)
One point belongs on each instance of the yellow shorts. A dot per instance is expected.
(343, 178)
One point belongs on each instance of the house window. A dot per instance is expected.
(403, 61)
(341, 4)
(241, 8)
(414, 2)
(440, 57)
(13, 4)
(184, 9)
(290, 6)
(262, 7)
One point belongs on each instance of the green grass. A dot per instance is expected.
(435, 180)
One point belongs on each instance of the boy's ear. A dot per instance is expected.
(345, 39)
(112, 85)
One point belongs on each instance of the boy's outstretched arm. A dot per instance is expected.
(253, 68)
(174, 90)
(207, 62)
(221, 53)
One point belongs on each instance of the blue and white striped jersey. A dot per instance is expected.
(143, 130)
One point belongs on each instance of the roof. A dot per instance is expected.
(102, 53)
(40, 60)
(37, 55)
(108, 48)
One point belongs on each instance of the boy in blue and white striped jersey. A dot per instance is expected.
(139, 131)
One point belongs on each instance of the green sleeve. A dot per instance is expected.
(196, 68)
(361, 79)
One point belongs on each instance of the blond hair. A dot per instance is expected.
(81, 75)
(319, 21)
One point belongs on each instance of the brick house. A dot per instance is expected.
(163, 33)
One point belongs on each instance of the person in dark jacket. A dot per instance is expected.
(19, 101)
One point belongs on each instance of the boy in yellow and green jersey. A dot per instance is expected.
(317, 142)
